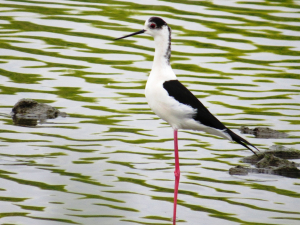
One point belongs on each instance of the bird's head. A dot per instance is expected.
(154, 26)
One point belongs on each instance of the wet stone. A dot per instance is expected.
(273, 161)
(276, 150)
(292, 172)
(27, 112)
(263, 132)
(238, 170)
(284, 152)
(269, 160)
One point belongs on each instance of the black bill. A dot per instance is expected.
(139, 32)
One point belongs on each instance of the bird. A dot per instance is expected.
(173, 102)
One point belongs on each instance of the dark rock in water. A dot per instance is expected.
(269, 160)
(276, 150)
(292, 172)
(284, 152)
(238, 170)
(273, 161)
(263, 132)
(27, 112)
(253, 158)
(25, 121)
(29, 107)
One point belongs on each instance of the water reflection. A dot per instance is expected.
(111, 160)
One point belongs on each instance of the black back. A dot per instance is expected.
(178, 91)
(184, 96)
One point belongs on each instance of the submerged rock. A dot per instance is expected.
(276, 150)
(263, 132)
(27, 112)
(292, 172)
(269, 161)
(273, 161)
(238, 170)
(284, 152)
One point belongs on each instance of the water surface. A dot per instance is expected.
(111, 160)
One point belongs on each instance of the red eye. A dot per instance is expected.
(152, 25)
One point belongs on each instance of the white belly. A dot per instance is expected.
(178, 115)
(167, 108)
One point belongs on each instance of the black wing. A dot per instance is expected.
(178, 91)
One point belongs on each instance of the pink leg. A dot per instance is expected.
(177, 175)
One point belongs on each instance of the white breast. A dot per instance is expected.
(166, 107)
(178, 115)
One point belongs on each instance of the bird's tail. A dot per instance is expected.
(241, 141)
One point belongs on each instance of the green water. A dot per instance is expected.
(111, 160)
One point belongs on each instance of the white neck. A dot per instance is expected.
(162, 47)
(161, 64)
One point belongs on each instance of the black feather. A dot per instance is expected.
(178, 91)
(241, 141)
(158, 21)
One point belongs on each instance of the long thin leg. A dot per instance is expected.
(177, 175)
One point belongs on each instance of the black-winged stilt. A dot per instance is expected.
(172, 101)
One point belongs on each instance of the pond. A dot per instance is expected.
(111, 160)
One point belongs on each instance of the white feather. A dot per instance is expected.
(178, 115)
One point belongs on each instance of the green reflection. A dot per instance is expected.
(53, 219)
(9, 214)
(118, 207)
(38, 184)
(21, 77)
(34, 208)
(240, 34)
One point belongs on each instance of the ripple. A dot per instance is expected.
(111, 160)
